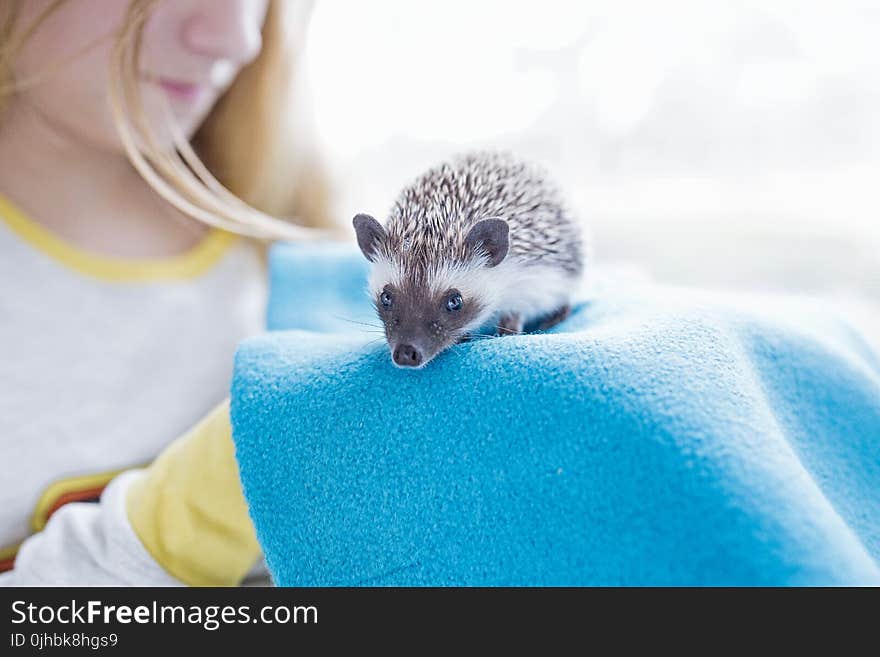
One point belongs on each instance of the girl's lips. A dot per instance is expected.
(186, 91)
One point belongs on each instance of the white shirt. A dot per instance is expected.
(104, 361)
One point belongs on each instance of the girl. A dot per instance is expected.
(128, 274)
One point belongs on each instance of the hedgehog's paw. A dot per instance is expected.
(510, 324)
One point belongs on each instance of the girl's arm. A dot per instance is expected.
(181, 521)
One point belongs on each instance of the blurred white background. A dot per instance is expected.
(731, 144)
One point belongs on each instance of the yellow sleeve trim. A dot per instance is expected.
(189, 511)
(56, 494)
(187, 265)
(58, 490)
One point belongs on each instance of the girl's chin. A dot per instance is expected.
(164, 135)
(187, 109)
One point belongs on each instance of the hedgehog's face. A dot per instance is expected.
(420, 322)
(426, 313)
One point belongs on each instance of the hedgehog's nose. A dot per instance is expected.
(406, 355)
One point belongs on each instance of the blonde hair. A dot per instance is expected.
(250, 162)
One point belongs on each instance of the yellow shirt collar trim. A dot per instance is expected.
(191, 264)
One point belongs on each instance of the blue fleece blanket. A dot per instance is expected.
(659, 436)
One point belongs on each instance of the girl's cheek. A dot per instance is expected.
(71, 50)
(70, 53)
(68, 56)
(61, 38)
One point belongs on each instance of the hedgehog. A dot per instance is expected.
(482, 240)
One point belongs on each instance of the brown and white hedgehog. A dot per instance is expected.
(484, 238)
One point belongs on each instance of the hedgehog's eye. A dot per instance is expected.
(453, 302)
(385, 299)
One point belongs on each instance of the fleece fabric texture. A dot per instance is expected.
(660, 436)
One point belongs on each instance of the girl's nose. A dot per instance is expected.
(225, 29)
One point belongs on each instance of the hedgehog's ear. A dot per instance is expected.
(369, 234)
(490, 236)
